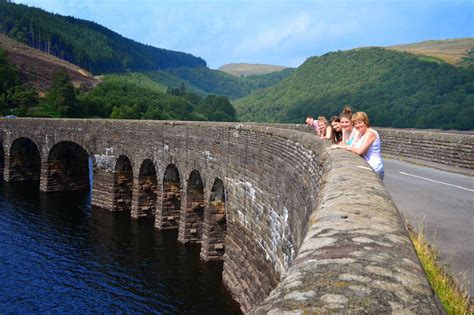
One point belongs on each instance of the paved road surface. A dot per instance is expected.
(444, 203)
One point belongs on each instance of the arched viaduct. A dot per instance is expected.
(300, 228)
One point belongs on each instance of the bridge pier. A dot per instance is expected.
(103, 189)
(168, 215)
(145, 187)
(215, 225)
(192, 216)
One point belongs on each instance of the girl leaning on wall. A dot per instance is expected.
(326, 130)
(367, 143)
(336, 132)
(349, 133)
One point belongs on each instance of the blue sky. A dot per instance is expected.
(280, 32)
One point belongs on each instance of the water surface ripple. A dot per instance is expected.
(59, 255)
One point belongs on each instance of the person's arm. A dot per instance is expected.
(345, 136)
(340, 145)
(328, 133)
(368, 140)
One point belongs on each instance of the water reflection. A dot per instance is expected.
(59, 255)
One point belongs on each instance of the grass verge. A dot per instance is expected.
(453, 296)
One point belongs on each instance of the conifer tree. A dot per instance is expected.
(62, 97)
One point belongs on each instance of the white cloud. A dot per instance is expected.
(275, 36)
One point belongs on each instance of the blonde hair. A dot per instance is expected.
(361, 116)
(324, 120)
(346, 113)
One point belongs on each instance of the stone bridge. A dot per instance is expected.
(299, 228)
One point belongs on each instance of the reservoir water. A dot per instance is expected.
(59, 255)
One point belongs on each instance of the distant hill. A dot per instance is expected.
(459, 52)
(86, 44)
(396, 90)
(245, 69)
(38, 67)
(217, 82)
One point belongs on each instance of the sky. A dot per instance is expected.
(278, 32)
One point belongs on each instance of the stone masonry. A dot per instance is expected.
(266, 200)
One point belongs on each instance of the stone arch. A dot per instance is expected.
(192, 217)
(168, 217)
(215, 224)
(146, 191)
(24, 162)
(123, 184)
(66, 168)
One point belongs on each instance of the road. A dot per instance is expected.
(443, 203)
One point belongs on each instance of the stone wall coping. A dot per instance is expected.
(356, 256)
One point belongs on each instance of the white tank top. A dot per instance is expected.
(373, 155)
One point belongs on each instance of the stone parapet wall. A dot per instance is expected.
(440, 147)
(356, 256)
(448, 148)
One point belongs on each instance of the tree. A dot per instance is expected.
(125, 112)
(62, 97)
(9, 77)
(22, 98)
(216, 108)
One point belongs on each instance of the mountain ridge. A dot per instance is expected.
(396, 89)
(85, 43)
(245, 69)
(455, 51)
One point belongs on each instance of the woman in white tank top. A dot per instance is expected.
(367, 144)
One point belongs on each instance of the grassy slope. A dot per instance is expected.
(39, 67)
(452, 51)
(244, 69)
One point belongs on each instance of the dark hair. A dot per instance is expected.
(336, 135)
(346, 113)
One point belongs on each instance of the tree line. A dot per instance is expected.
(86, 44)
(396, 89)
(113, 98)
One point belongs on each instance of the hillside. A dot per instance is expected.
(39, 67)
(86, 44)
(245, 69)
(217, 82)
(396, 90)
(459, 52)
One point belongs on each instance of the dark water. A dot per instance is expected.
(58, 255)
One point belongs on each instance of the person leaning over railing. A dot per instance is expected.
(326, 130)
(336, 136)
(313, 123)
(367, 143)
(349, 133)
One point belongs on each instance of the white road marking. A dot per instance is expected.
(436, 181)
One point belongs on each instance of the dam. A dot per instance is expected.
(299, 228)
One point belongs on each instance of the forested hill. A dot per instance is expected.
(396, 89)
(86, 44)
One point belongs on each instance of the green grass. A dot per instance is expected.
(430, 59)
(454, 297)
